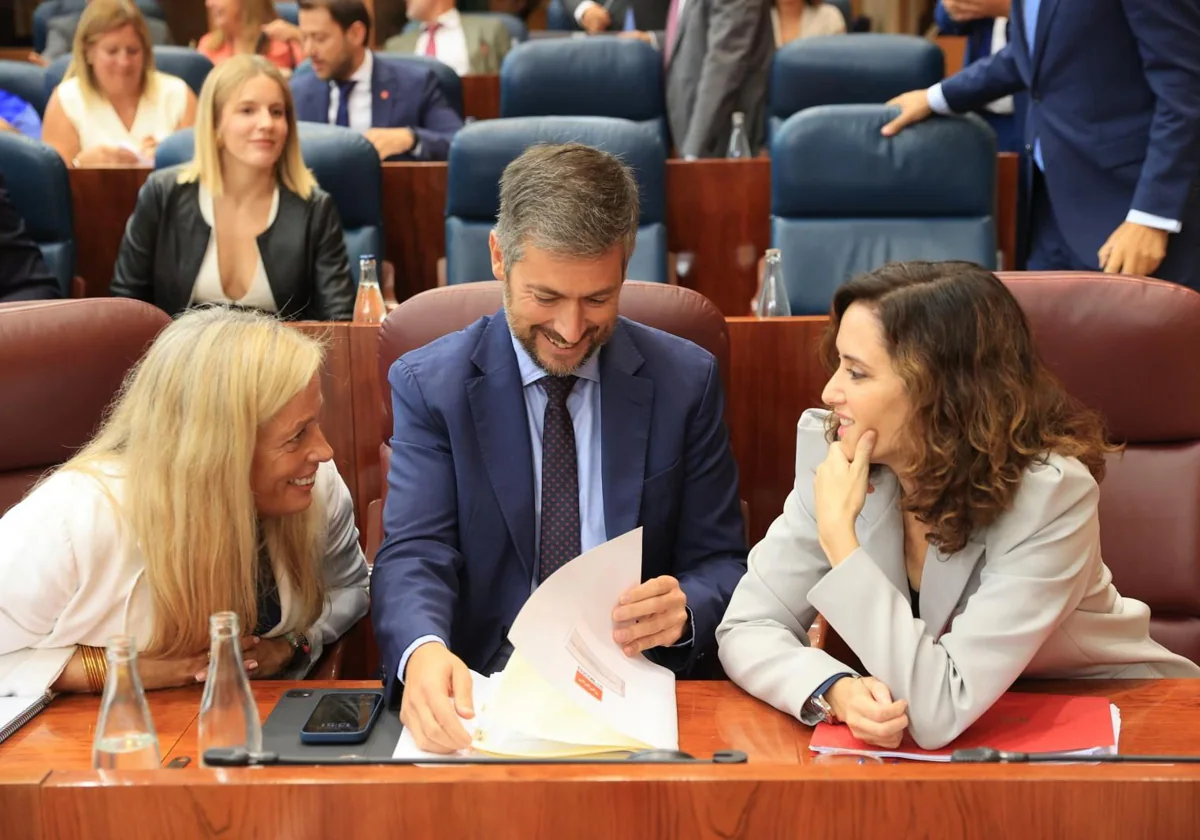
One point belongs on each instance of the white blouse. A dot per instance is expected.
(815, 21)
(159, 113)
(70, 579)
(208, 288)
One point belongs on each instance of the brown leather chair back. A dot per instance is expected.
(61, 363)
(1128, 347)
(438, 312)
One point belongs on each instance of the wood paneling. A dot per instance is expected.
(414, 226)
(781, 788)
(368, 415)
(21, 803)
(718, 225)
(776, 376)
(954, 49)
(103, 201)
(481, 97)
(1008, 175)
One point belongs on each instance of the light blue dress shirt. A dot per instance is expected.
(938, 104)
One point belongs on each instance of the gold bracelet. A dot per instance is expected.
(95, 666)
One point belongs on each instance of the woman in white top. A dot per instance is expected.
(792, 19)
(244, 222)
(209, 488)
(113, 107)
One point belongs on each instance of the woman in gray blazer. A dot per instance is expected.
(943, 521)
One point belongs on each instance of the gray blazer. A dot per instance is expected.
(1028, 596)
(720, 64)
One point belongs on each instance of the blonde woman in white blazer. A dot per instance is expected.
(208, 488)
(943, 521)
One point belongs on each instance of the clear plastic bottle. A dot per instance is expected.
(773, 297)
(369, 307)
(228, 713)
(125, 734)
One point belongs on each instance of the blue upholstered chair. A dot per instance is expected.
(845, 200)
(866, 68)
(559, 19)
(37, 183)
(345, 165)
(289, 12)
(593, 77)
(447, 79)
(187, 64)
(480, 152)
(53, 8)
(517, 30)
(25, 80)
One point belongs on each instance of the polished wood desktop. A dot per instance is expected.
(718, 223)
(48, 791)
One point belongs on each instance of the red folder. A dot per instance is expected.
(1017, 722)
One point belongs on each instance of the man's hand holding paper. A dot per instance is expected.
(437, 692)
(651, 614)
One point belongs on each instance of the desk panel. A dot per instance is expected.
(779, 790)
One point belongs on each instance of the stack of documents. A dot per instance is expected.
(568, 689)
(1017, 722)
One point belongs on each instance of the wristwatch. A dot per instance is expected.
(819, 708)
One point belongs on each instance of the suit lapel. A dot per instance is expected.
(497, 403)
(1045, 16)
(475, 44)
(626, 401)
(942, 583)
(382, 84)
(880, 528)
(684, 17)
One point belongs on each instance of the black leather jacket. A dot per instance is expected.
(303, 251)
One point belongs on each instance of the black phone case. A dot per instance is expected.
(281, 730)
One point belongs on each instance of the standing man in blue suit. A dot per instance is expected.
(540, 432)
(397, 106)
(985, 25)
(1113, 129)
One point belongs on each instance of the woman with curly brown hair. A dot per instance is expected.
(943, 521)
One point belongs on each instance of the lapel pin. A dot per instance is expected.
(383, 94)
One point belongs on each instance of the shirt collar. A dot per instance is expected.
(362, 76)
(531, 373)
(450, 19)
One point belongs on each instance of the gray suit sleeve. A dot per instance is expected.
(58, 40)
(732, 29)
(763, 639)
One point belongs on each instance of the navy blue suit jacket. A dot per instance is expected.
(402, 96)
(1115, 101)
(1009, 128)
(458, 556)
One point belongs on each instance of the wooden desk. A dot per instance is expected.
(780, 790)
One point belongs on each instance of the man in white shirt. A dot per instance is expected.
(397, 105)
(471, 44)
(596, 16)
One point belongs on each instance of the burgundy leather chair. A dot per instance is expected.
(61, 363)
(437, 312)
(1127, 347)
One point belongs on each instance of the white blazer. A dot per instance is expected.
(1028, 596)
(67, 582)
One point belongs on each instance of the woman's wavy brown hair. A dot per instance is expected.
(984, 407)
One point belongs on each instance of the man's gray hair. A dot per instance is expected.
(571, 200)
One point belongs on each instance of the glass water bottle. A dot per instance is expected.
(368, 306)
(125, 735)
(739, 143)
(228, 713)
(772, 297)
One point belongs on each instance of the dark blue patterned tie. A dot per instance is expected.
(343, 109)
(560, 479)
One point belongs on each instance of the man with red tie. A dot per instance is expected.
(399, 107)
(471, 44)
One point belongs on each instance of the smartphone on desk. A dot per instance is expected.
(344, 717)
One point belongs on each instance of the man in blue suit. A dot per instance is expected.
(984, 23)
(1113, 128)
(540, 432)
(397, 105)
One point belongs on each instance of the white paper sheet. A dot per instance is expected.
(482, 689)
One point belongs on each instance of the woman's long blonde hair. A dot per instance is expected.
(181, 435)
(222, 85)
(255, 15)
(99, 18)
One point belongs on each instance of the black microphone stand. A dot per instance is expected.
(990, 755)
(237, 757)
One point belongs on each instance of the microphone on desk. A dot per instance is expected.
(242, 757)
(990, 755)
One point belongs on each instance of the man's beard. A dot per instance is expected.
(528, 340)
